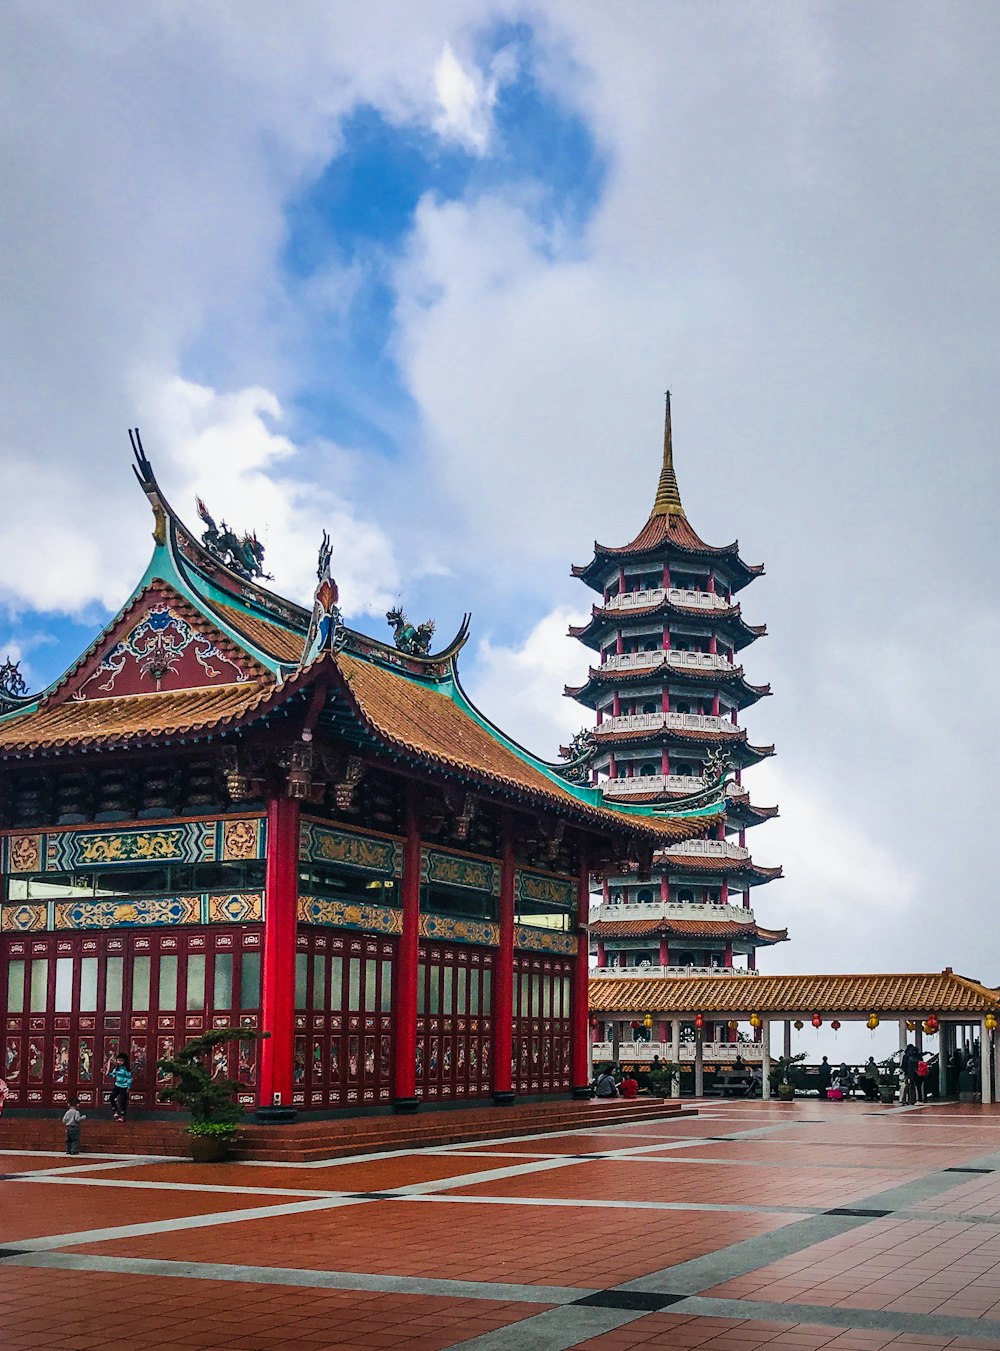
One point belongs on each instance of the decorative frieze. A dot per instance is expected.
(227, 839)
(545, 940)
(382, 919)
(450, 930)
(547, 890)
(137, 912)
(459, 870)
(376, 854)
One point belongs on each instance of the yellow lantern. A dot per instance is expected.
(911, 1026)
(755, 1020)
(873, 1021)
(990, 1022)
(733, 1025)
(647, 1022)
(799, 1024)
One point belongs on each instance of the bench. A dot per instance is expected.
(730, 1083)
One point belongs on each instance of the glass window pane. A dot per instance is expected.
(113, 968)
(15, 987)
(474, 991)
(319, 980)
(222, 997)
(250, 980)
(88, 985)
(565, 985)
(386, 989)
(168, 982)
(525, 994)
(354, 983)
(487, 991)
(422, 988)
(39, 984)
(536, 996)
(336, 982)
(446, 997)
(435, 987)
(371, 967)
(302, 980)
(195, 992)
(140, 983)
(461, 989)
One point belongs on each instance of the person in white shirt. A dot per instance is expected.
(71, 1120)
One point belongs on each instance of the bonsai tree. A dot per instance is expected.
(781, 1073)
(211, 1101)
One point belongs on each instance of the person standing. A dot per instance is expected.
(870, 1084)
(121, 1082)
(908, 1069)
(825, 1076)
(923, 1072)
(71, 1120)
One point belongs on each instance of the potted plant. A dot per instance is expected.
(782, 1079)
(661, 1079)
(215, 1113)
(888, 1082)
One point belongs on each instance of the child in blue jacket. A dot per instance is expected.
(121, 1080)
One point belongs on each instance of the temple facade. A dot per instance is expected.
(235, 810)
(669, 690)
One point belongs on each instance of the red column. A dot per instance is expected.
(711, 583)
(579, 1008)
(616, 706)
(503, 979)
(724, 891)
(746, 898)
(664, 951)
(713, 644)
(619, 643)
(601, 954)
(281, 891)
(404, 1080)
(715, 703)
(666, 577)
(752, 960)
(666, 638)
(664, 887)
(727, 956)
(664, 761)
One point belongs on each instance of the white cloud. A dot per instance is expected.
(465, 99)
(226, 449)
(519, 687)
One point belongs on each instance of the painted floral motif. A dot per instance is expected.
(160, 645)
(185, 842)
(22, 918)
(142, 911)
(460, 930)
(343, 915)
(243, 908)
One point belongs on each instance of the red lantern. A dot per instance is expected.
(816, 1021)
(634, 1025)
(931, 1025)
(593, 1022)
(836, 1024)
(699, 1021)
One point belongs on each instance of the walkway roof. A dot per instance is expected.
(943, 993)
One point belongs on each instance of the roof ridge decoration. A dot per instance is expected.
(326, 631)
(668, 497)
(244, 556)
(13, 687)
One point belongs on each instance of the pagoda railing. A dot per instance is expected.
(666, 972)
(616, 910)
(708, 849)
(654, 722)
(749, 1051)
(639, 600)
(652, 783)
(630, 661)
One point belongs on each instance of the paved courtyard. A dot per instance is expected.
(797, 1225)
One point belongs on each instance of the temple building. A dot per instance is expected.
(233, 810)
(668, 690)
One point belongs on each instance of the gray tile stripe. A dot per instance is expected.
(554, 1330)
(877, 1320)
(303, 1277)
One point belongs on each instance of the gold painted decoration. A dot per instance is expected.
(24, 853)
(241, 839)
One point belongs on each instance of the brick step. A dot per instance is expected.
(310, 1140)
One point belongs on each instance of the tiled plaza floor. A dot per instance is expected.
(800, 1225)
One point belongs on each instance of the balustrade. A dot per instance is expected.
(629, 661)
(654, 722)
(639, 600)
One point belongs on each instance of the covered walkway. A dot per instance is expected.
(942, 1005)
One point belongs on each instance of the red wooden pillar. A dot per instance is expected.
(503, 979)
(404, 1073)
(579, 1004)
(664, 951)
(281, 892)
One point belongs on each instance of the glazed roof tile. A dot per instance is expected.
(692, 928)
(276, 641)
(135, 717)
(941, 992)
(729, 866)
(432, 726)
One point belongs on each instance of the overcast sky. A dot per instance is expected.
(421, 273)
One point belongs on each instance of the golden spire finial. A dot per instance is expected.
(668, 498)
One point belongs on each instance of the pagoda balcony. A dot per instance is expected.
(721, 849)
(699, 910)
(641, 600)
(750, 1052)
(656, 722)
(631, 661)
(652, 783)
(666, 972)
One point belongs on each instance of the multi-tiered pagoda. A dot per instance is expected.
(668, 690)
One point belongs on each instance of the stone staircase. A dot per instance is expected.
(308, 1140)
